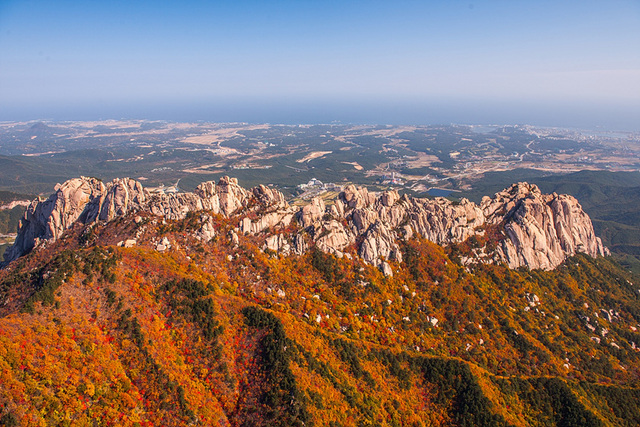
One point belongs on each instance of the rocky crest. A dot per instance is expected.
(538, 231)
(541, 229)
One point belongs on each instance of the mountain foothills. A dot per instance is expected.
(227, 306)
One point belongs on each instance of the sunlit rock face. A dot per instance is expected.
(542, 229)
(87, 200)
(538, 230)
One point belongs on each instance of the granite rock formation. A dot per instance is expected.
(538, 230)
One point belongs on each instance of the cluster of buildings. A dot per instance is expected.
(315, 187)
(316, 184)
(162, 189)
(393, 179)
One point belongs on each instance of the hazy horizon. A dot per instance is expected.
(392, 112)
(567, 64)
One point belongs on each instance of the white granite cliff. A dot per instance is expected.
(539, 231)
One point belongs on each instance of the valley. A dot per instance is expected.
(411, 158)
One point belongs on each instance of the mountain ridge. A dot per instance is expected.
(529, 228)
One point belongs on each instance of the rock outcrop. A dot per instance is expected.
(537, 230)
(88, 200)
(541, 229)
(81, 199)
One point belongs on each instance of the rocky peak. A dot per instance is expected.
(356, 197)
(313, 212)
(539, 231)
(389, 198)
(231, 196)
(121, 196)
(88, 200)
(269, 197)
(504, 201)
(522, 189)
(206, 190)
(542, 229)
(79, 199)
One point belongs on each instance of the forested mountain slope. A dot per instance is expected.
(179, 329)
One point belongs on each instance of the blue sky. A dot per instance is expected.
(476, 60)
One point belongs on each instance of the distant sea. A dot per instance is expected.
(591, 116)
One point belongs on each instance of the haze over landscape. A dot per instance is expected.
(548, 63)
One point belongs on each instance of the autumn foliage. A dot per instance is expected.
(214, 333)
